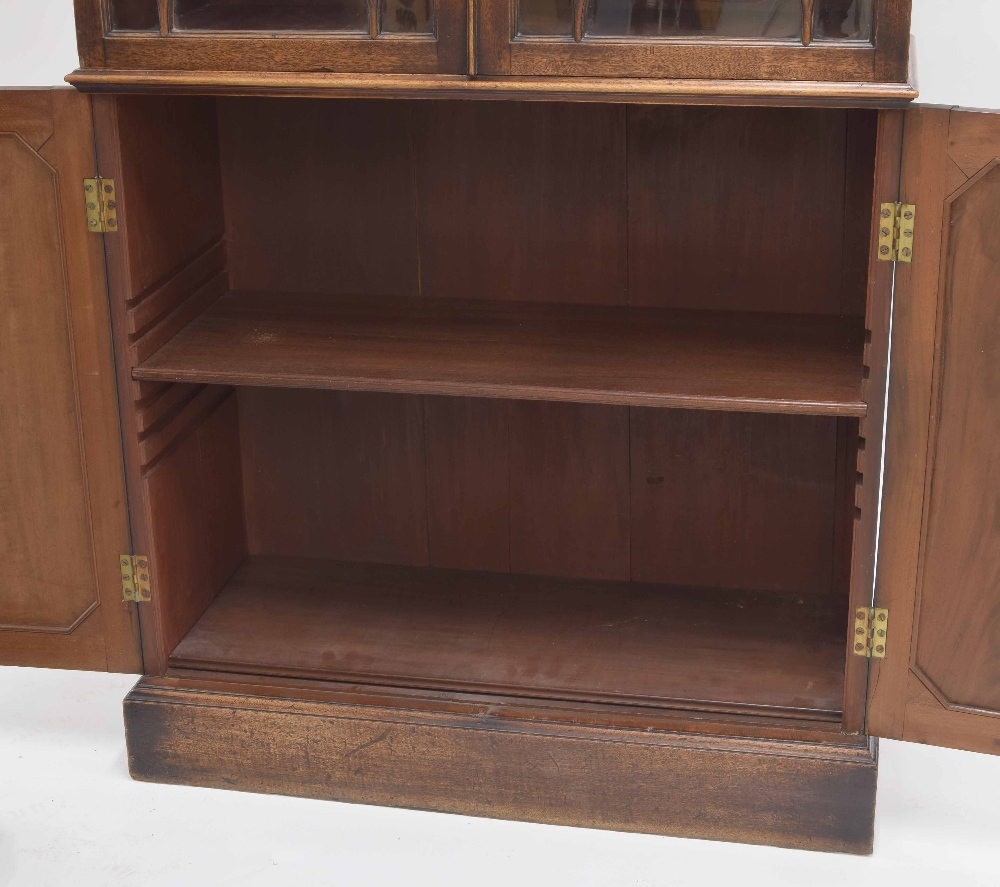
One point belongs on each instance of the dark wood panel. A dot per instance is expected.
(939, 539)
(737, 209)
(892, 40)
(168, 183)
(551, 638)
(569, 489)
(603, 354)
(62, 517)
(89, 32)
(521, 201)
(468, 502)
(197, 534)
(957, 642)
(474, 761)
(319, 196)
(732, 500)
(335, 474)
(42, 469)
(163, 154)
(862, 140)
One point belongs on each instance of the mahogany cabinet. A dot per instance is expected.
(510, 458)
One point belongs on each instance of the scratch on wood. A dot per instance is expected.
(380, 738)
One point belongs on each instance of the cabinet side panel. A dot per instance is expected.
(196, 513)
(170, 162)
(319, 196)
(892, 40)
(165, 264)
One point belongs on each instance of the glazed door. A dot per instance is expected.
(789, 40)
(63, 521)
(304, 36)
(939, 561)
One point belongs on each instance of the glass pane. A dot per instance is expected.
(545, 18)
(746, 19)
(259, 15)
(843, 20)
(135, 15)
(407, 16)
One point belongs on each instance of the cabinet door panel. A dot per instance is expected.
(300, 36)
(940, 557)
(62, 517)
(819, 40)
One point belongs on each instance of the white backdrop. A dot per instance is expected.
(957, 44)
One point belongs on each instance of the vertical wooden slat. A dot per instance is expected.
(808, 8)
(579, 11)
(471, 61)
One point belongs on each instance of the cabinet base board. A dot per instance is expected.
(457, 759)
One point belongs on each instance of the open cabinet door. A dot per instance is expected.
(939, 559)
(63, 518)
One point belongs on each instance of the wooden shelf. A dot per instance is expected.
(532, 351)
(704, 649)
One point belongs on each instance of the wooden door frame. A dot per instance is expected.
(56, 126)
(444, 52)
(903, 702)
(500, 52)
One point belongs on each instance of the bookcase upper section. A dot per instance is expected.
(785, 51)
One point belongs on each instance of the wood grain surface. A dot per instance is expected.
(521, 635)
(486, 759)
(941, 683)
(62, 517)
(643, 357)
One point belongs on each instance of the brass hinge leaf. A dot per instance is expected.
(895, 232)
(102, 205)
(871, 628)
(135, 578)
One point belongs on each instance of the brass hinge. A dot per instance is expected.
(895, 232)
(870, 632)
(135, 577)
(102, 208)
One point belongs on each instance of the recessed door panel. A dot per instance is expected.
(62, 516)
(940, 554)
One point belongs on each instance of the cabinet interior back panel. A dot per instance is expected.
(689, 207)
(720, 500)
